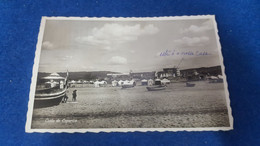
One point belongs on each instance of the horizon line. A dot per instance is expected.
(129, 71)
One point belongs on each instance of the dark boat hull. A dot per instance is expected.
(190, 85)
(48, 103)
(127, 86)
(156, 88)
(216, 81)
(47, 100)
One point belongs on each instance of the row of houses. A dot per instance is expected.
(169, 73)
(201, 73)
(116, 83)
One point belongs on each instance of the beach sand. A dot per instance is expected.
(112, 107)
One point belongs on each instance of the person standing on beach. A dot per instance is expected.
(74, 95)
(65, 98)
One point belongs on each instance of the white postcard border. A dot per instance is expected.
(28, 128)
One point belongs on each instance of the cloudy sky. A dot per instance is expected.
(121, 46)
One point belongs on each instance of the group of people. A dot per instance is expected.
(74, 97)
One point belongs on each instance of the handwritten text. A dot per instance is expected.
(183, 53)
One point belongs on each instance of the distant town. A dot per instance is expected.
(173, 74)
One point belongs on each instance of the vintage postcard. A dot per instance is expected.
(128, 74)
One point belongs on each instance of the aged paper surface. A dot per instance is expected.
(128, 74)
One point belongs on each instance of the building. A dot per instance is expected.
(169, 72)
(143, 75)
(144, 82)
(201, 73)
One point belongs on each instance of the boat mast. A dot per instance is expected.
(180, 62)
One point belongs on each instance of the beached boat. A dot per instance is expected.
(190, 84)
(127, 86)
(156, 88)
(50, 96)
(49, 99)
(216, 81)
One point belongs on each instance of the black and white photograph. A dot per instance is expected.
(128, 74)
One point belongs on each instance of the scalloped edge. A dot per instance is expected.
(28, 128)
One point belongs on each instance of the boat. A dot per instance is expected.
(49, 99)
(156, 88)
(127, 86)
(190, 84)
(50, 96)
(216, 81)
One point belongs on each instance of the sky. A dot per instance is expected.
(121, 46)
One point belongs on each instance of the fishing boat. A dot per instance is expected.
(127, 86)
(156, 88)
(216, 81)
(50, 90)
(190, 84)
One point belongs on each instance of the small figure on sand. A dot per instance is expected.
(74, 95)
(65, 98)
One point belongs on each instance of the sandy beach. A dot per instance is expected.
(112, 107)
